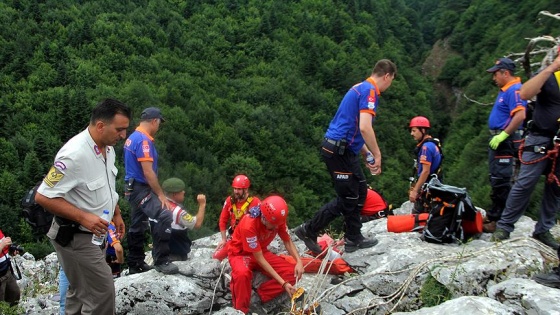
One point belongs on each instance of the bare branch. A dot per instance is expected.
(476, 102)
(526, 59)
(546, 13)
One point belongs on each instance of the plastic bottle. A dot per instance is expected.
(370, 160)
(98, 240)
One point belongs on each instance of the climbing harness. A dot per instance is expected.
(547, 154)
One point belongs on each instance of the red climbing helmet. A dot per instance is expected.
(241, 181)
(274, 209)
(419, 121)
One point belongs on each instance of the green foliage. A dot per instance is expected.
(39, 249)
(6, 309)
(433, 293)
(250, 87)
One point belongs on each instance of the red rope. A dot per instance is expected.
(550, 154)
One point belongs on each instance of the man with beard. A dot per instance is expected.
(233, 210)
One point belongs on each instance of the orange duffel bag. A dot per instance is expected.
(407, 222)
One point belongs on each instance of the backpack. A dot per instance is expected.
(36, 216)
(448, 206)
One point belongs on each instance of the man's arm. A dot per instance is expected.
(119, 252)
(366, 128)
(273, 274)
(62, 208)
(532, 87)
(151, 178)
(292, 250)
(119, 223)
(201, 210)
(516, 121)
(413, 195)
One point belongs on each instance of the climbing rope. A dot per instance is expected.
(399, 294)
(223, 263)
(550, 154)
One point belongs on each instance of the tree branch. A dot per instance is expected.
(476, 102)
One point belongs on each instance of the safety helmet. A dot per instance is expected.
(241, 181)
(274, 209)
(419, 121)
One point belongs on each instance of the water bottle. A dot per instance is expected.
(370, 160)
(98, 240)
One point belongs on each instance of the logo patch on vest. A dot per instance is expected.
(503, 161)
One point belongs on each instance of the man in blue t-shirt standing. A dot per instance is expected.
(505, 123)
(146, 196)
(428, 159)
(350, 133)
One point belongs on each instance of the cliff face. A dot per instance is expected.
(397, 275)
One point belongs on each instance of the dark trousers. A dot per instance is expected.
(138, 225)
(501, 163)
(9, 289)
(520, 194)
(147, 205)
(351, 190)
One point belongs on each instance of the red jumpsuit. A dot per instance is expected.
(233, 213)
(252, 236)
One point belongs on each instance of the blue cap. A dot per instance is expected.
(502, 63)
(151, 113)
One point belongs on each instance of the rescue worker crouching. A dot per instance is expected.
(248, 251)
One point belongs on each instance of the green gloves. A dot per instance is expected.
(497, 139)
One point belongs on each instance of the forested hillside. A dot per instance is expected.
(250, 86)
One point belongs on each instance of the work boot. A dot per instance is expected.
(309, 240)
(167, 268)
(549, 279)
(499, 235)
(142, 267)
(547, 239)
(352, 246)
(489, 227)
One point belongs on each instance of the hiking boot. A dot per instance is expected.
(143, 267)
(489, 227)
(167, 268)
(499, 235)
(549, 279)
(547, 239)
(352, 246)
(309, 240)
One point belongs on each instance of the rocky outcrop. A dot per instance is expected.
(481, 276)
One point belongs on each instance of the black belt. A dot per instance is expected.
(331, 141)
(495, 132)
(542, 133)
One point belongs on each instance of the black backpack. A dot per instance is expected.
(448, 206)
(36, 216)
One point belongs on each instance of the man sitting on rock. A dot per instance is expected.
(180, 244)
(248, 252)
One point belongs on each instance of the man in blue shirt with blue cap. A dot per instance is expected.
(505, 123)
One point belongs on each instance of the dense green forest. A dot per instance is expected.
(250, 86)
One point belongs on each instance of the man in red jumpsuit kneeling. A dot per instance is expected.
(248, 251)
